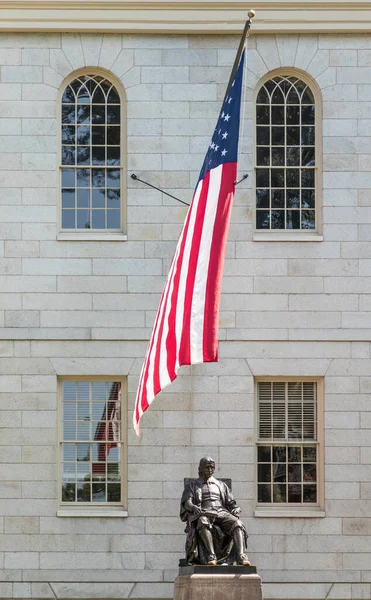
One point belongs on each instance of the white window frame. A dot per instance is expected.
(293, 235)
(277, 510)
(91, 509)
(91, 234)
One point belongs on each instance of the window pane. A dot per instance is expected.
(83, 155)
(113, 178)
(278, 136)
(262, 219)
(307, 115)
(262, 177)
(293, 115)
(83, 219)
(83, 198)
(98, 198)
(293, 136)
(294, 493)
(68, 178)
(262, 198)
(262, 136)
(263, 156)
(83, 135)
(279, 453)
(83, 492)
(98, 114)
(278, 199)
(113, 136)
(278, 115)
(98, 219)
(113, 219)
(113, 155)
(83, 114)
(113, 492)
(310, 493)
(308, 219)
(99, 135)
(309, 454)
(278, 178)
(99, 492)
(307, 198)
(113, 114)
(68, 198)
(278, 219)
(69, 452)
(113, 198)
(293, 219)
(68, 134)
(264, 472)
(278, 157)
(68, 155)
(68, 492)
(279, 493)
(68, 219)
(98, 178)
(264, 454)
(262, 115)
(83, 177)
(293, 198)
(98, 155)
(68, 114)
(264, 493)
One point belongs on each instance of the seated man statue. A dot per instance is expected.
(215, 534)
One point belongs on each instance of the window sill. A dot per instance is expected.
(286, 237)
(92, 237)
(292, 513)
(92, 513)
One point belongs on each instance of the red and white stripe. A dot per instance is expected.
(186, 326)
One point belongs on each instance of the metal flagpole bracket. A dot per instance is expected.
(133, 176)
(242, 179)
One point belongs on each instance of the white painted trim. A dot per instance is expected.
(78, 237)
(185, 16)
(92, 513)
(273, 237)
(295, 514)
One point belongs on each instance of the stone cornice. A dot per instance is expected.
(181, 16)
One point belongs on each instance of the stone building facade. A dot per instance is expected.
(293, 309)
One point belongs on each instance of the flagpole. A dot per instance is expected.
(245, 34)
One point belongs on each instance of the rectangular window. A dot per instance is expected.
(288, 444)
(92, 445)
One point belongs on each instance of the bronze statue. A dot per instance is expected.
(215, 534)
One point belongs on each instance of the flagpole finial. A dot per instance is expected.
(251, 14)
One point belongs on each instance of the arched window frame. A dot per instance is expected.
(293, 234)
(94, 234)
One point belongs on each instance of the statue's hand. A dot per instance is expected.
(236, 511)
(197, 510)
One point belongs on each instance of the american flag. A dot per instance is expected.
(186, 325)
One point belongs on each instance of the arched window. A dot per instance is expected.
(285, 155)
(91, 161)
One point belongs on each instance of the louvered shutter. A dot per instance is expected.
(287, 410)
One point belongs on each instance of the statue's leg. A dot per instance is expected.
(204, 531)
(238, 539)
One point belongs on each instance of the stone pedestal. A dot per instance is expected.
(217, 583)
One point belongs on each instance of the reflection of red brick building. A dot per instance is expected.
(108, 429)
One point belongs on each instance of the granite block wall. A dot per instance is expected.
(86, 308)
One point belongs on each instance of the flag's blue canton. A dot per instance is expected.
(224, 143)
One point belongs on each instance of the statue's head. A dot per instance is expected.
(206, 467)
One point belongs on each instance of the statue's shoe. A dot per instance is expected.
(244, 560)
(212, 561)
